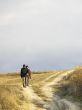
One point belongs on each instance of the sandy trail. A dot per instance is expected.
(62, 104)
(47, 89)
(54, 75)
(33, 97)
(48, 93)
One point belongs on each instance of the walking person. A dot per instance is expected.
(28, 75)
(25, 75)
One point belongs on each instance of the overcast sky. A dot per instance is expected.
(44, 34)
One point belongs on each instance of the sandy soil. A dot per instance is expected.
(34, 100)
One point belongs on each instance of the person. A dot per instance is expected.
(28, 75)
(24, 74)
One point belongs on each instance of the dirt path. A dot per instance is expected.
(47, 89)
(62, 104)
(34, 100)
(32, 97)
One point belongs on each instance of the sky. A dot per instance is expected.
(43, 34)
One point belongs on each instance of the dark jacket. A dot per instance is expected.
(24, 72)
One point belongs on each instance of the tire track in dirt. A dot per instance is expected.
(47, 89)
(56, 103)
(34, 100)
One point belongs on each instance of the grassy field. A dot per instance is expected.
(11, 96)
(11, 90)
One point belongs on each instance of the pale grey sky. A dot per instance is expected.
(44, 34)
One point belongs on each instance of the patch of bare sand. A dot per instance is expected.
(33, 99)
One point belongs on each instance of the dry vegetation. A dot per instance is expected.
(11, 91)
(37, 81)
(76, 83)
(72, 86)
(11, 95)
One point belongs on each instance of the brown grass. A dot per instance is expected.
(37, 81)
(11, 95)
(72, 86)
(76, 83)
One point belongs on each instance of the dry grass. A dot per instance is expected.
(9, 98)
(40, 76)
(72, 86)
(76, 83)
(38, 81)
(11, 95)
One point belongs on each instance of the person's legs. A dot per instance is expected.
(23, 81)
(27, 80)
